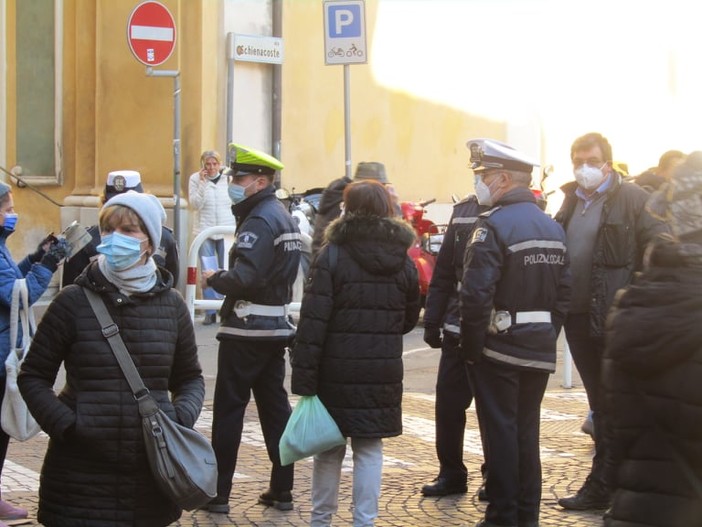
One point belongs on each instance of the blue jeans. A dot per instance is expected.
(212, 247)
(367, 473)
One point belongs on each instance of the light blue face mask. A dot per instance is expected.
(120, 250)
(237, 193)
(10, 221)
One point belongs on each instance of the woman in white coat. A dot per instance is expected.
(207, 193)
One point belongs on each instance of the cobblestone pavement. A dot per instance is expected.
(410, 462)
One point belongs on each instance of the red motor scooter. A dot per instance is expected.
(427, 242)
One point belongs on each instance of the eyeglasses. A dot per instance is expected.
(592, 161)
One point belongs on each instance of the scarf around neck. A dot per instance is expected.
(137, 279)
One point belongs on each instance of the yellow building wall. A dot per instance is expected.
(117, 117)
(422, 144)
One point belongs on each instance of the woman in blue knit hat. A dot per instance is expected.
(37, 268)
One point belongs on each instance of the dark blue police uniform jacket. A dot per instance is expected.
(516, 262)
(441, 308)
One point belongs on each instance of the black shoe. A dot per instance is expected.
(589, 497)
(281, 500)
(210, 319)
(485, 523)
(482, 493)
(218, 505)
(444, 487)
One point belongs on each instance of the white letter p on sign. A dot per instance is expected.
(342, 17)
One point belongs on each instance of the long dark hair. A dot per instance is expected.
(368, 197)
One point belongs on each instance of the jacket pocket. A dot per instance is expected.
(617, 245)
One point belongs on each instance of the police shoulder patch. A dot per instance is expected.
(246, 240)
(487, 213)
(479, 235)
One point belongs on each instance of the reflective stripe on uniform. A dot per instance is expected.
(452, 328)
(526, 317)
(287, 237)
(536, 244)
(516, 361)
(241, 332)
(464, 221)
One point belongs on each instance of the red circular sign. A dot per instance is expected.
(151, 33)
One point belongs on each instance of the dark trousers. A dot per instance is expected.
(587, 354)
(509, 405)
(453, 397)
(244, 367)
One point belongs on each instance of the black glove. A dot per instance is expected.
(469, 358)
(42, 247)
(57, 251)
(432, 336)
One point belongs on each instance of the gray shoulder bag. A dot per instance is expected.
(182, 460)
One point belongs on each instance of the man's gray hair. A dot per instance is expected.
(522, 179)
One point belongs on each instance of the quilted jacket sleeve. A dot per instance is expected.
(315, 313)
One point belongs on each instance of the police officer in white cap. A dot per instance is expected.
(513, 299)
(166, 255)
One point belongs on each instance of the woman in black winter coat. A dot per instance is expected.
(361, 297)
(95, 471)
(653, 368)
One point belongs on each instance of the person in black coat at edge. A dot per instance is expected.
(442, 330)
(652, 368)
(361, 297)
(95, 471)
(166, 254)
(332, 196)
(514, 295)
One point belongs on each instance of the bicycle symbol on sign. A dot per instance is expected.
(335, 52)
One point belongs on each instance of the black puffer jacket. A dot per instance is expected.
(95, 472)
(329, 210)
(348, 347)
(651, 372)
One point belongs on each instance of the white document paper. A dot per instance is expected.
(209, 263)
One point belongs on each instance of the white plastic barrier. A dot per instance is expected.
(192, 274)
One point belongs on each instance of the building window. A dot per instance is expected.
(38, 90)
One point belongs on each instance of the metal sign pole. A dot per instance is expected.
(176, 142)
(230, 94)
(347, 118)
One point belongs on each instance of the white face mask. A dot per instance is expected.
(589, 177)
(483, 193)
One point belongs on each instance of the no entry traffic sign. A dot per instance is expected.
(151, 33)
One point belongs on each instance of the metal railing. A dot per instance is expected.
(194, 303)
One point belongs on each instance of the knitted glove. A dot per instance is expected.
(57, 251)
(41, 248)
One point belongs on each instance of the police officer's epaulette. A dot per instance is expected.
(469, 197)
(487, 213)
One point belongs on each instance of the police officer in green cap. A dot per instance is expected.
(256, 327)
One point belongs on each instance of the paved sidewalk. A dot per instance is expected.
(409, 463)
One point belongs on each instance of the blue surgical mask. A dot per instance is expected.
(237, 193)
(10, 221)
(120, 250)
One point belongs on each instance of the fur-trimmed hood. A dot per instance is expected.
(379, 245)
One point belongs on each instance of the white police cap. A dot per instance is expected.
(486, 154)
(119, 181)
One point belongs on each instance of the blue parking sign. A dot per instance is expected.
(344, 32)
(344, 21)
